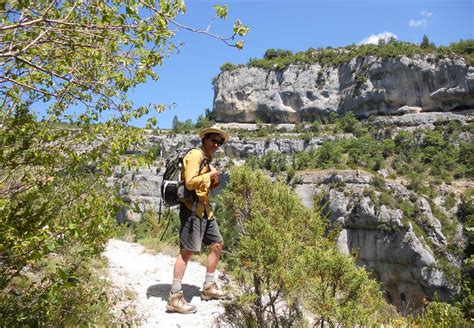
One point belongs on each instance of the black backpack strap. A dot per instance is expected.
(168, 213)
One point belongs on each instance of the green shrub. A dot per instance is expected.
(450, 201)
(228, 67)
(204, 121)
(154, 152)
(329, 155)
(440, 314)
(279, 254)
(272, 161)
(406, 206)
(386, 199)
(307, 136)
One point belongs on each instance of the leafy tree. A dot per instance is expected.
(336, 290)
(204, 122)
(187, 126)
(183, 127)
(270, 54)
(77, 59)
(282, 261)
(349, 123)
(405, 145)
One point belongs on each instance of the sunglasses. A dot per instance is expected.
(216, 141)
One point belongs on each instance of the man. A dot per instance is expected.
(202, 228)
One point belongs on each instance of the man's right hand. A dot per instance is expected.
(215, 175)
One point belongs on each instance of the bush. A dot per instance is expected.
(442, 315)
(228, 67)
(329, 155)
(349, 123)
(204, 122)
(272, 161)
(281, 260)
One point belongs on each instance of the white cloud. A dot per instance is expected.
(426, 13)
(417, 23)
(374, 38)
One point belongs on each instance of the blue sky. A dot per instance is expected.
(296, 25)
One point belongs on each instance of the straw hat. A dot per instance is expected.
(210, 130)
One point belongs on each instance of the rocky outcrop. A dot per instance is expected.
(401, 249)
(139, 188)
(365, 85)
(424, 119)
(241, 148)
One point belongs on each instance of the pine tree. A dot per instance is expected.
(176, 124)
(425, 42)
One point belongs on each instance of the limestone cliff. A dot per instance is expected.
(403, 252)
(365, 85)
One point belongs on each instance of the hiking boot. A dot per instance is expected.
(177, 303)
(211, 291)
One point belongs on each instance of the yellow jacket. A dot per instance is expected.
(198, 181)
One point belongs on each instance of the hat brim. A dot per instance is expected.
(218, 131)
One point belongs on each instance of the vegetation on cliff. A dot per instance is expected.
(280, 58)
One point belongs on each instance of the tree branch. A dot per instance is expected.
(205, 32)
(6, 78)
(53, 73)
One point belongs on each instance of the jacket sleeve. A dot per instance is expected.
(201, 183)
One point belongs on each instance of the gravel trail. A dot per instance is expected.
(142, 280)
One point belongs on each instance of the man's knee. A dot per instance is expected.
(186, 254)
(217, 247)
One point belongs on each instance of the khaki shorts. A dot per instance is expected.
(195, 231)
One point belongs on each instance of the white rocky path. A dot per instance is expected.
(144, 280)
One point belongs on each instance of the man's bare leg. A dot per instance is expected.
(214, 257)
(180, 268)
(210, 290)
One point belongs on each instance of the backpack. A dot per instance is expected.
(173, 190)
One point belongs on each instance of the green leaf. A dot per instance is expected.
(221, 11)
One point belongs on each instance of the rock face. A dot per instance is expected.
(139, 187)
(364, 85)
(402, 251)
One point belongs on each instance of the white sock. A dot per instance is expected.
(209, 278)
(176, 286)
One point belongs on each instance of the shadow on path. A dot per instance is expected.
(163, 290)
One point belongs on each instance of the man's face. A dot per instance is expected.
(212, 142)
